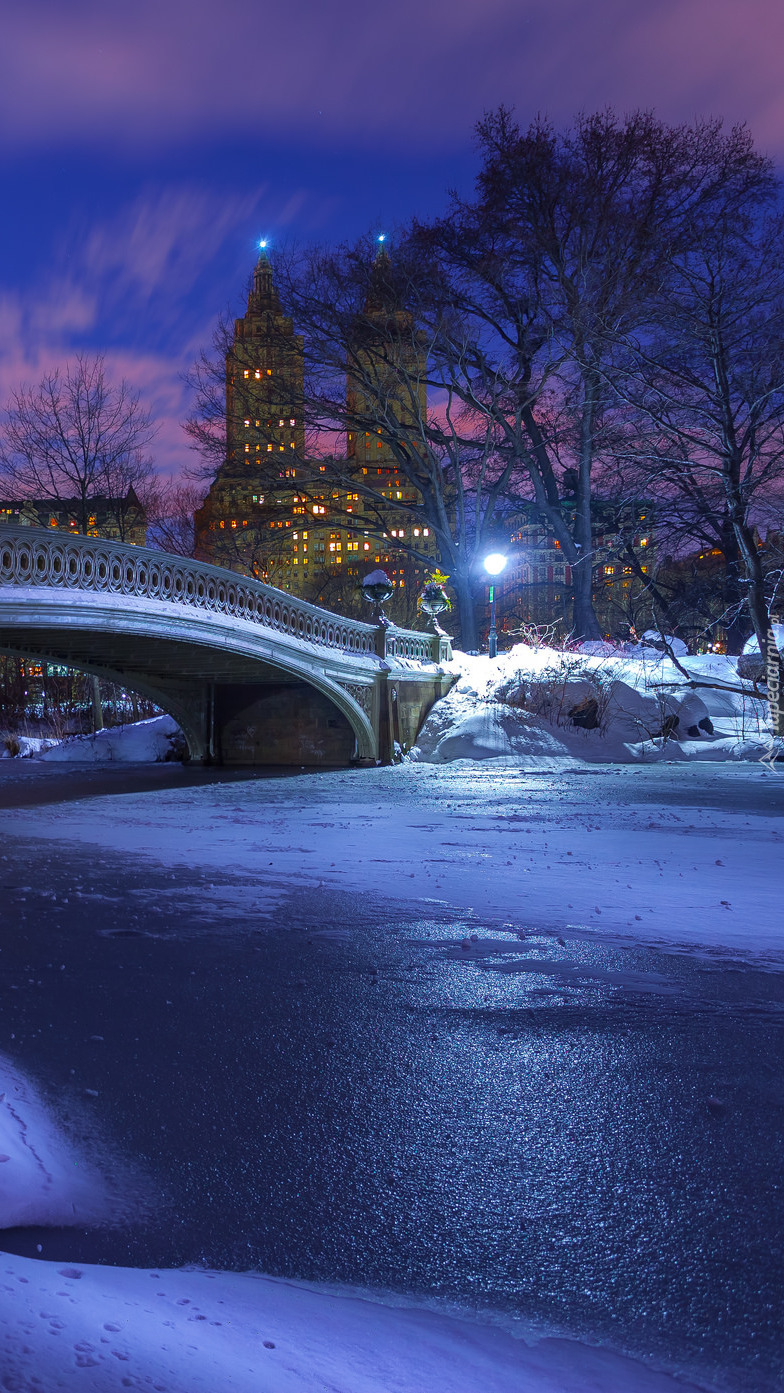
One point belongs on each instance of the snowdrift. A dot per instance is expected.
(146, 742)
(101, 1329)
(545, 707)
(42, 1180)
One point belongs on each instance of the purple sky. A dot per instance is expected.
(144, 147)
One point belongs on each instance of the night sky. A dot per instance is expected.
(145, 147)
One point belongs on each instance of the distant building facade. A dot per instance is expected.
(266, 513)
(123, 519)
(535, 589)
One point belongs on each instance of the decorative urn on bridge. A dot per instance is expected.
(434, 600)
(377, 589)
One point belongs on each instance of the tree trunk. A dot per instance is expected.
(466, 608)
(732, 592)
(586, 625)
(758, 610)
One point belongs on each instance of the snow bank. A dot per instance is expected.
(24, 746)
(596, 706)
(101, 1329)
(145, 742)
(751, 645)
(42, 1180)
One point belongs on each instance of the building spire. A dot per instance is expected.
(263, 296)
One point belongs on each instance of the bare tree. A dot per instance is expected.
(169, 507)
(709, 387)
(75, 437)
(565, 245)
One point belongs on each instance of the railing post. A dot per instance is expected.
(381, 640)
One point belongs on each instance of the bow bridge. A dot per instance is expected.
(251, 674)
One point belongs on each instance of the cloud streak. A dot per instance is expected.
(167, 71)
(125, 287)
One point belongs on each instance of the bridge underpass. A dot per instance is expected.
(251, 674)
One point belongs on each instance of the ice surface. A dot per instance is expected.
(691, 853)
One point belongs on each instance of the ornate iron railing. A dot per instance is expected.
(33, 556)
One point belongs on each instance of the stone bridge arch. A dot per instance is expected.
(251, 674)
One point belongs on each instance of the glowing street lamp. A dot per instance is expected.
(494, 565)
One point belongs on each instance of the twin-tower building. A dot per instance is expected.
(277, 514)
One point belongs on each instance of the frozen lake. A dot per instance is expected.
(337, 1086)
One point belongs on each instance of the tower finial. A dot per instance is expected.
(262, 276)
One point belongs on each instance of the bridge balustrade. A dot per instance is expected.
(35, 557)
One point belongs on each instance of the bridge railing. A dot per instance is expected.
(32, 556)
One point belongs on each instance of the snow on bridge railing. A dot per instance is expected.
(34, 556)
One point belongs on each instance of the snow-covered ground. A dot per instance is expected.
(146, 742)
(107, 1329)
(530, 705)
(43, 1181)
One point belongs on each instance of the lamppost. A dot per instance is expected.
(494, 565)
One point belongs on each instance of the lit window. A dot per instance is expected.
(292, 421)
(247, 423)
(257, 374)
(269, 449)
(643, 541)
(416, 531)
(425, 531)
(281, 422)
(246, 373)
(234, 522)
(247, 449)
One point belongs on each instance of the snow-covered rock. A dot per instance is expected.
(664, 642)
(24, 746)
(145, 742)
(622, 705)
(751, 645)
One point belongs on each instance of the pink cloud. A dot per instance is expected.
(415, 75)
